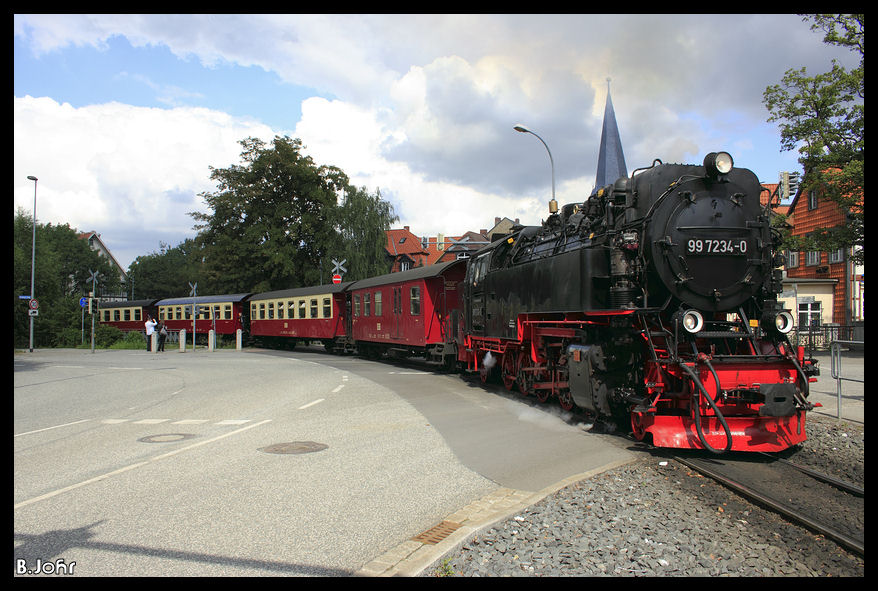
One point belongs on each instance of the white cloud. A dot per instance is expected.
(119, 169)
(421, 106)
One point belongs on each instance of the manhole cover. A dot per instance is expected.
(294, 447)
(166, 437)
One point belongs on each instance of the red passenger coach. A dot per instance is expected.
(409, 313)
(223, 314)
(287, 316)
(127, 315)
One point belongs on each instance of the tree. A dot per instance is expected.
(166, 273)
(823, 117)
(363, 220)
(275, 220)
(63, 262)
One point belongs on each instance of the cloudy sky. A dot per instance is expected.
(121, 116)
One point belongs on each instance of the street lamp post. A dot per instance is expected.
(33, 258)
(553, 205)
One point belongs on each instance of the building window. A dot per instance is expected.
(404, 265)
(809, 315)
(812, 200)
(812, 258)
(836, 256)
(792, 259)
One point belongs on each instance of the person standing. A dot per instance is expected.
(150, 329)
(163, 334)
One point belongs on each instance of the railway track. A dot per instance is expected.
(824, 504)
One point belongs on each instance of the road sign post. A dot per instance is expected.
(93, 277)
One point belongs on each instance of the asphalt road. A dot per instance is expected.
(260, 463)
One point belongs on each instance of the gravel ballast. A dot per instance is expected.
(656, 517)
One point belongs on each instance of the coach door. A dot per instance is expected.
(397, 313)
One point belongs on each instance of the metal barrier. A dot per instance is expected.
(835, 367)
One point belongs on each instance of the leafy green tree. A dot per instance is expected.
(275, 221)
(822, 116)
(63, 262)
(362, 222)
(166, 273)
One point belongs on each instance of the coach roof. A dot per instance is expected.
(211, 299)
(295, 292)
(410, 275)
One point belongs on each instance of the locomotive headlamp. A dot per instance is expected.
(779, 322)
(783, 322)
(717, 163)
(692, 321)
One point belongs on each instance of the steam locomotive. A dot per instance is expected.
(652, 303)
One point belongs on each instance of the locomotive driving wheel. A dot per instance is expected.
(511, 362)
(638, 429)
(565, 399)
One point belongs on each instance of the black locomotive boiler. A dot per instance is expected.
(654, 301)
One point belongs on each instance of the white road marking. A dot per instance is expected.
(124, 469)
(318, 401)
(48, 428)
(338, 389)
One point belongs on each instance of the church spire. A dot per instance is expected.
(611, 160)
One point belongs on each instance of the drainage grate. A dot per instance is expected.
(294, 447)
(437, 533)
(166, 438)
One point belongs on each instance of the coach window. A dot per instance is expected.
(116, 316)
(253, 310)
(180, 313)
(377, 303)
(271, 310)
(262, 311)
(227, 312)
(415, 298)
(137, 314)
(327, 308)
(313, 308)
(356, 305)
(367, 304)
(302, 310)
(127, 315)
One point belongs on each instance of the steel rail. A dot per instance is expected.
(831, 533)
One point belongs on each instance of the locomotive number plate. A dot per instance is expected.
(717, 246)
